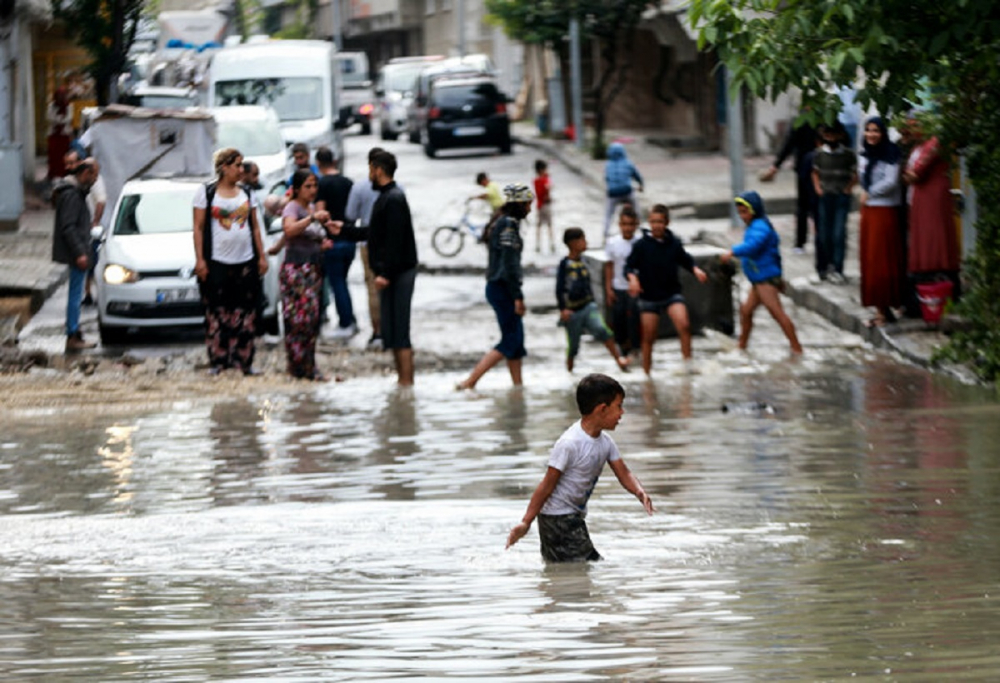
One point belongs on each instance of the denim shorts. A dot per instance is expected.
(659, 307)
(511, 344)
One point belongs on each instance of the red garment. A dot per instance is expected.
(542, 189)
(880, 251)
(933, 235)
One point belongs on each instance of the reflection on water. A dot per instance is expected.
(836, 520)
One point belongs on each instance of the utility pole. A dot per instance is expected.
(337, 33)
(734, 131)
(460, 19)
(576, 82)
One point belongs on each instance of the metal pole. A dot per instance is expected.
(576, 81)
(338, 38)
(460, 18)
(734, 125)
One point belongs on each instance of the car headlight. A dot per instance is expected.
(119, 275)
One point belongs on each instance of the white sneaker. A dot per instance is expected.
(798, 250)
(345, 332)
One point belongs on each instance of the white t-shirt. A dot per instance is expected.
(580, 457)
(618, 250)
(232, 238)
(98, 195)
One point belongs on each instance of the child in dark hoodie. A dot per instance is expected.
(618, 175)
(761, 262)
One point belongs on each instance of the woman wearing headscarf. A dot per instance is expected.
(933, 239)
(503, 286)
(880, 242)
(302, 275)
(760, 259)
(229, 262)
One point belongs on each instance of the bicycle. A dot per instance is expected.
(448, 240)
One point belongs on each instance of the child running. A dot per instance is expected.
(543, 196)
(575, 464)
(624, 307)
(652, 276)
(578, 311)
(761, 262)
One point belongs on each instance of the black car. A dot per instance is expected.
(466, 112)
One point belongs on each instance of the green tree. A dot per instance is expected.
(901, 49)
(608, 22)
(106, 30)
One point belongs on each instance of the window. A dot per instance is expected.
(430, 8)
(294, 99)
(159, 212)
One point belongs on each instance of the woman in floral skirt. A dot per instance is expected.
(301, 275)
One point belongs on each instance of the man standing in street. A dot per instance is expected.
(331, 196)
(71, 243)
(392, 255)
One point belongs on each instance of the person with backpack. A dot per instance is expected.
(761, 262)
(229, 263)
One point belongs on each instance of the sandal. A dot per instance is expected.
(877, 321)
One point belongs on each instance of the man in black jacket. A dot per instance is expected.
(800, 143)
(392, 256)
(71, 243)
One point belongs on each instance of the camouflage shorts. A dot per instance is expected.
(565, 538)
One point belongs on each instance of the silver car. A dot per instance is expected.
(145, 269)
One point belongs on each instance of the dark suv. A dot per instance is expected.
(466, 112)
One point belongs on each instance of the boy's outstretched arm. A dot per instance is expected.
(538, 498)
(631, 484)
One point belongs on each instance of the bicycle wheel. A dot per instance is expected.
(447, 240)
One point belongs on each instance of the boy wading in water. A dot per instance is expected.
(575, 464)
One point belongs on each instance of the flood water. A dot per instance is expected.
(840, 519)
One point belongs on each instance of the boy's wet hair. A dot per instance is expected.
(628, 212)
(571, 234)
(662, 210)
(300, 147)
(596, 389)
(540, 165)
(480, 177)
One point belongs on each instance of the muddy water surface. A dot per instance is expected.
(838, 519)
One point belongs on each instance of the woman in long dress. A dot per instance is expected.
(933, 243)
(880, 241)
(301, 275)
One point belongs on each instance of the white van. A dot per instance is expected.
(255, 131)
(396, 85)
(299, 79)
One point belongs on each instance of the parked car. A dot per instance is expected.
(145, 268)
(256, 132)
(466, 112)
(470, 65)
(357, 97)
(395, 88)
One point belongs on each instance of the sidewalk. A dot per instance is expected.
(697, 189)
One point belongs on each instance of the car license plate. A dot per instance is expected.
(466, 131)
(167, 296)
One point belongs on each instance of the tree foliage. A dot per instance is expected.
(902, 50)
(546, 22)
(106, 30)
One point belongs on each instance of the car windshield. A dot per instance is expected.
(352, 75)
(402, 78)
(153, 213)
(294, 99)
(252, 138)
(160, 101)
(456, 96)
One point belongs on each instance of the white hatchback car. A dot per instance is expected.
(145, 269)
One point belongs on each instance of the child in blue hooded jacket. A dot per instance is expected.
(761, 262)
(619, 172)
